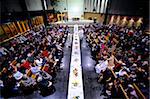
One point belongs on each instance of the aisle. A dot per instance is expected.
(92, 88)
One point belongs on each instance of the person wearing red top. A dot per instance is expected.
(26, 64)
(45, 53)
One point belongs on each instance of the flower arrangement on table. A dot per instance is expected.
(76, 47)
(75, 72)
(75, 83)
(76, 42)
(76, 59)
(76, 97)
(76, 52)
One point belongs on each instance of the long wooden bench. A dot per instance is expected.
(121, 87)
(19, 34)
(13, 37)
(124, 92)
(139, 93)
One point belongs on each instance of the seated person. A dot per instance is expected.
(131, 92)
(101, 67)
(112, 60)
(4, 74)
(45, 86)
(25, 64)
(27, 84)
(45, 52)
(51, 61)
(30, 58)
(3, 51)
(104, 55)
(9, 86)
(34, 69)
(45, 75)
(38, 61)
(17, 75)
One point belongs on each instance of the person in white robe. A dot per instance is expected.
(101, 67)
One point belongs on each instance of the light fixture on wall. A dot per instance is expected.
(85, 9)
(118, 20)
(124, 21)
(94, 10)
(131, 21)
(139, 22)
(112, 19)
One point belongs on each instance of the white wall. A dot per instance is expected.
(75, 8)
(34, 5)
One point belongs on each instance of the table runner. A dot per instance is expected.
(75, 87)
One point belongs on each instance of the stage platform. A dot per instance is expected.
(71, 22)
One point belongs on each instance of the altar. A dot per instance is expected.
(71, 22)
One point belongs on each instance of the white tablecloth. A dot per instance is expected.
(75, 88)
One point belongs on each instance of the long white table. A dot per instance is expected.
(75, 88)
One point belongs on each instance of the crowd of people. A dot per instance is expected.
(121, 56)
(31, 61)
